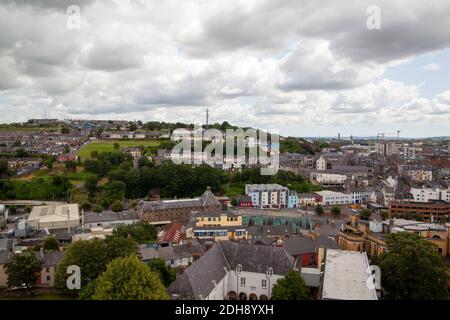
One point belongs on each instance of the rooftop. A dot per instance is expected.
(346, 276)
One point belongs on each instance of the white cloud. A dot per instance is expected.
(305, 63)
(430, 67)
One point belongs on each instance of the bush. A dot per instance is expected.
(117, 206)
(318, 209)
(336, 210)
(98, 208)
(86, 205)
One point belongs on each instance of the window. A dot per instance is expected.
(48, 278)
(264, 283)
(47, 269)
(242, 282)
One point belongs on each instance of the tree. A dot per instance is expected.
(129, 278)
(23, 269)
(91, 184)
(65, 130)
(384, 214)
(318, 209)
(92, 256)
(133, 126)
(336, 210)
(134, 204)
(117, 206)
(365, 214)
(51, 243)
(98, 208)
(94, 154)
(167, 275)
(291, 287)
(141, 232)
(412, 268)
(86, 205)
(70, 165)
(116, 145)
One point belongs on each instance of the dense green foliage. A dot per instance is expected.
(51, 243)
(291, 287)
(412, 268)
(56, 188)
(23, 269)
(318, 209)
(128, 278)
(365, 214)
(336, 210)
(141, 232)
(167, 275)
(92, 256)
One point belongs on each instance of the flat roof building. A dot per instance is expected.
(346, 275)
(55, 217)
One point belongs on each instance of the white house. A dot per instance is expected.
(427, 194)
(233, 271)
(332, 197)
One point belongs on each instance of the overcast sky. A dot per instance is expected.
(306, 68)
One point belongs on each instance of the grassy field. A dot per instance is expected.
(108, 146)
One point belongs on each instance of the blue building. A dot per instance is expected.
(292, 199)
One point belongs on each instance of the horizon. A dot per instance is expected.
(362, 72)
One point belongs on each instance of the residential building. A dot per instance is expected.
(267, 195)
(217, 225)
(346, 276)
(230, 271)
(333, 198)
(292, 199)
(55, 217)
(50, 261)
(428, 194)
(174, 256)
(309, 199)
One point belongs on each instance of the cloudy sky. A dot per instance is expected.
(306, 68)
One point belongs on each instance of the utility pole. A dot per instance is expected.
(207, 118)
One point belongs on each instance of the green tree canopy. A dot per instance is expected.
(365, 214)
(336, 210)
(291, 287)
(51, 243)
(318, 209)
(92, 256)
(129, 278)
(141, 232)
(412, 268)
(23, 269)
(117, 206)
(167, 275)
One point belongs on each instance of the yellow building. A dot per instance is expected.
(370, 236)
(218, 225)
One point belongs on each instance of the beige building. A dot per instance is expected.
(218, 225)
(55, 217)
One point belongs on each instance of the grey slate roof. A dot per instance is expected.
(166, 253)
(197, 280)
(109, 216)
(49, 258)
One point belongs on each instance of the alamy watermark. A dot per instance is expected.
(242, 148)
